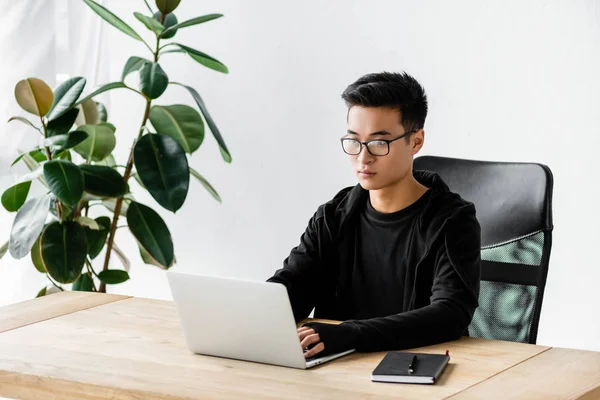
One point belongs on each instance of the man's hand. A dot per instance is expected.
(308, 337)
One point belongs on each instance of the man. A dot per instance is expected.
(396, 257)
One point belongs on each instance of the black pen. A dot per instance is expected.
(411, 366)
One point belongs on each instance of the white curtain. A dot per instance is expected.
(51, 40)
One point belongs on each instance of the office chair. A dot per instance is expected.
(514, 207)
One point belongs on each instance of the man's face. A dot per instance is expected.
(372, 123)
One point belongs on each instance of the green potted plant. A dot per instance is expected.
(74, 161)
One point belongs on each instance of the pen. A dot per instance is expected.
(411, 366)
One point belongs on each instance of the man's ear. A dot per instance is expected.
(418, 139)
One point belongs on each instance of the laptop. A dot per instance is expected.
(239, 319)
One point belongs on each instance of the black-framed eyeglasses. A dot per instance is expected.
(377, 147)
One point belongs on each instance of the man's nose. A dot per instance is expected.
(365, 157)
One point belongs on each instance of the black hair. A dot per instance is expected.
(395, 90)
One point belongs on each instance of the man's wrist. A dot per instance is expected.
(336, 338)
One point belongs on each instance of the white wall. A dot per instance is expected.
(511, 80)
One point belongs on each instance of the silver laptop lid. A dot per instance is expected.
(240, 319)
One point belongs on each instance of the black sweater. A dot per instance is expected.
(440, 284)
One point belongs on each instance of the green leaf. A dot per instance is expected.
(62, 124)
(204, 59)
(25, 121)
(30, 176)
(167, 6)
(150, 23)
(65, 96)
(88, 113)
(100, 143)
(36, 256)
(113, 276)
(3, 249)
(28, 225)
(133, 64)
(63, 250)
(84, 283)
(151, 233)
(65, 180)
(170, 20)
(108, 161)
(112, 19)
(33, 165)
(65, 155)
(102, 113)
(153, 80)
(110, 205)
(206, 184)
(147, 258)
(41, 293)
(34, 95)
(124, 260)
(172, 51)
(211, 123)
(138, 179)
(180, 122)
(103, 181)
(14, 197)
(163, 167)
(96, 239)
(87, 222)
(60, 143)
(36, 154)
(102, 89)
(189, 22)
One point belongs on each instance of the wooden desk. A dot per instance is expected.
(90, 345)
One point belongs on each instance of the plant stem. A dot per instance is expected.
(119, 202)
(137, 91)
(88, 264)
(149, 8)
(59, 209)
(127, 175)
(54, 283)
(166, 45)
(48, 154)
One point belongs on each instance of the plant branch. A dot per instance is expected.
(147, 45)
(149, 8)
(59, 209)
(54, 283)
(137, 91)
(48, 154)
(88, 264)
(127, 174)
(119, 202)
(166, 45)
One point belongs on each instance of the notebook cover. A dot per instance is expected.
(395, 366)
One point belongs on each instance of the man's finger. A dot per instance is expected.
(310, 339)
(304, 328)
(315, 350)
(303, 334)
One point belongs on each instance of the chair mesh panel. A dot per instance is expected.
(527, 250)
(506, 310)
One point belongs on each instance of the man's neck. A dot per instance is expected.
(397, 197)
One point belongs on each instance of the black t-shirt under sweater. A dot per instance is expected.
(384, 240)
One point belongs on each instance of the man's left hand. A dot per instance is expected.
(308, 337)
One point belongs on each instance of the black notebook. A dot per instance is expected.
(401, 367)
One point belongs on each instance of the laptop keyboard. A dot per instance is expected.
(310, 358)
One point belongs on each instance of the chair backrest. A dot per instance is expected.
(514, 207)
